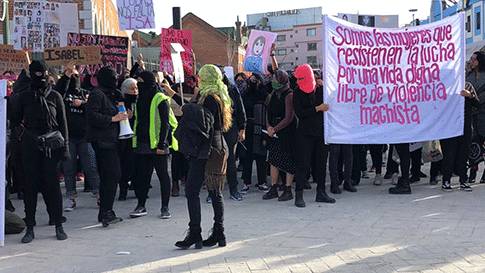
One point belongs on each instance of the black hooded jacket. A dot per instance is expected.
(70, 89)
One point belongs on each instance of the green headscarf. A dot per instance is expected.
(211, 83)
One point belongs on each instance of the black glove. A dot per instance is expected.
(65, 153)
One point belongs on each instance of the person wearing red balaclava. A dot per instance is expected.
(309, 108)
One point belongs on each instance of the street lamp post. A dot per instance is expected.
(282, 61)
(413, 11)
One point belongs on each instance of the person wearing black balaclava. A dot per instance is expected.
(40, 110)
(75, 99)
(253, 99)
(103, 133)
(151, 143)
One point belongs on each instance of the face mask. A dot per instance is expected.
(276, 85)
(306, 79)
(242, 86)
(130, 98)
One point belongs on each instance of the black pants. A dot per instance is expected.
(311, 147)
(127, 163)
(250, 157)
(391, 166)
(109, 169)
(195, 179)
(231, 140)
(335, 150)
(455, 151)
(359, 153)
(405, 158)
(435, 169)
(41, 175)
(376, 154)
(144, 169)
(416, 162)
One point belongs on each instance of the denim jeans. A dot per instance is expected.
(83, 149)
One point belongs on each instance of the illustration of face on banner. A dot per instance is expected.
(393, 85)
(258, 50)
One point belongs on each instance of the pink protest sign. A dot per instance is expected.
(169, 36)
(393, 85)
(258, 50)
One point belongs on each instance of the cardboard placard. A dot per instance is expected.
(82, 55)
(12, 59)
(171, 36)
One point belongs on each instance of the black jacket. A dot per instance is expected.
(195, 131)
(76, 116)
(100, 109)
(310, 122)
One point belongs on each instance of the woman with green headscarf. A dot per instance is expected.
(213, 96)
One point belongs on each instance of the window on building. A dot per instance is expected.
(312, 60)
(311, 32)
(296, 45)
(296, 59)
(281, 52)
(296, 31)
(312, 46)
(291, 36)
(292, 50)
(281, 38)
(468, 23)
(479, 23)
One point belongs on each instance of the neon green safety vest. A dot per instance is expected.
(155, 123)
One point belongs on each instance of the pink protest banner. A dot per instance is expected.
(393, 85)
(169, 36)
(258, 50)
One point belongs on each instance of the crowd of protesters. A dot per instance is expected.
(274, 119)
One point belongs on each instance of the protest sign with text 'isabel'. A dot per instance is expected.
(393, 85)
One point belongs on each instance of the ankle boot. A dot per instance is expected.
(402, 187)
(217, 236)
(299, 202)
(287, 195)
(349, 187)
(193, 237)
(60, 234)
(272, 193)
(175, 188)
(101, 214)
(323, 197)
(110, 218)
(29, 235)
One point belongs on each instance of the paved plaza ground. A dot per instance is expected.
(368, 231)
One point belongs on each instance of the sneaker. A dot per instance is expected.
(61, 177)
(236, 196)
(414, 179)
(263, 187)
(433, 181)
(378, 179)
(388, 175)
(208, 199)
(245, 189)
(464, 186)
(165, 213)
(365, 175)
(446, 186)
(71, 204)
(394, 178)
(373, 169)
(80, 176)
(138, 212)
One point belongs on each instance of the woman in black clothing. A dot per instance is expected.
(103, 132)
(309, 108)
(42, 111)
(281, 124)
(151, 144)
(216, 102)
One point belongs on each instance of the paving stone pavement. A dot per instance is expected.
(368, 231)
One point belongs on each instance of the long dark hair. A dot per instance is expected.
(481, 60)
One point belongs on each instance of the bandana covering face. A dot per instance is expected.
(211, 83)
(306, 79)
(281, 82)
(38, 67)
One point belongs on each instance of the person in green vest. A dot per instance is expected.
(153, 128)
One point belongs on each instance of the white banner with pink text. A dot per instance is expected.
(393, 85)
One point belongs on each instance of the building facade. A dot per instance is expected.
(284, 19)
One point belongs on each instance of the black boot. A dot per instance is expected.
(335, 189)
(287, 195)
(29, 235)
(473, 175)
(299, 202)
(111, 218)
(193, 237)
(349, 187)
(60, 234)
(323, 197)
(101, 214)
(402, 187)
(272, 193)
(217, 236)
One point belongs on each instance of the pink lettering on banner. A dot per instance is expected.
(388, 74)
